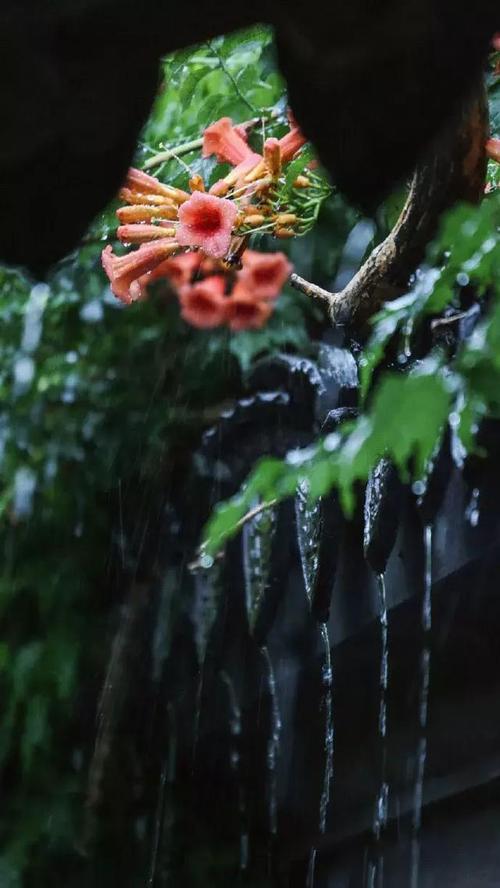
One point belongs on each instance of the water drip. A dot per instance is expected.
(311, 869)
(308, 520)
(235, 763)
(380, 814)
(164, 819)
(327, 680)
(425, 664)
(273, 744)
(327, 704)
(257, 541)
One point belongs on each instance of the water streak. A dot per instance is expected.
(257, 541)
(273, 744)
(425, 665)
(311, 869)
(380, 813)
(327, 681)
(327, 704)
(235, 728)
(308, 518)
(164, 819)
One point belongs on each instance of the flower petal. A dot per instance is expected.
(264, 274)
(125, 272)
(226, 142)
(206, 221)
(493, 149)
(244, 312)
(203, 304)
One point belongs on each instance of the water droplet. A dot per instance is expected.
(92, 312)
(472, 510)
(331, 442)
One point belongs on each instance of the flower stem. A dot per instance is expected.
(171, 153)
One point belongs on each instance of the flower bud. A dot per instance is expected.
(196, 183)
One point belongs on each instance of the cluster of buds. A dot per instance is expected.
(198, 239)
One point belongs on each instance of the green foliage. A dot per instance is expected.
(407, 412)
(464, 252)
(98, 400)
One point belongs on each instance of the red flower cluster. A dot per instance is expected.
(210, 297)
(193, 238)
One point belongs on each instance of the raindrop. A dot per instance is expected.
(419, 488)
(472, 510)
(331, 442)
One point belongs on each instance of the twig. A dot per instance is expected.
(252, 513)
(312, 290)
(230, 77)
(262, 507)
(170, 153)
(450, 319)
(195, 144)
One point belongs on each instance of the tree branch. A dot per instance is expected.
(453, 170)
(299, 283)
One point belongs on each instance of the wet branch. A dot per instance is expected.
(453, 170)
(315, 292)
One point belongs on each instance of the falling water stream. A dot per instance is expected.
(164, 819)
(273, 743)
(308, 529)
(425, 663)
(376, 867)
(235, 763)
